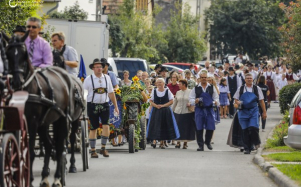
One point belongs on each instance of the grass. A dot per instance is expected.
(291, 170)
(284, 157)
(281, 149)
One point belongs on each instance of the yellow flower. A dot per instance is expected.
(132, 87)
(135, 79)
(118, 91)
(124, 107)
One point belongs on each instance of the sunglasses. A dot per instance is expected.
(31, 26)
(203, 77)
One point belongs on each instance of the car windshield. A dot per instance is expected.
(131, 66)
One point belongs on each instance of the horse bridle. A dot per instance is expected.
(29, 77)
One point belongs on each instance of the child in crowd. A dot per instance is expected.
(282, 82)
(224, 97)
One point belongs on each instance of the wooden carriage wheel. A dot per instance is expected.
(10, 171)
(24, 156)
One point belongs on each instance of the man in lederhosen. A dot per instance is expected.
(233, 81)
(247, 97)
(205, 96)
(100, 90)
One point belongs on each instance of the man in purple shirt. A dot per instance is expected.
(39, 50)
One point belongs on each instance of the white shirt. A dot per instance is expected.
(98, 98)
(249, 89)
(161, 94)
(1, 64)
(281, 83)
(223, 89)
(192, 95)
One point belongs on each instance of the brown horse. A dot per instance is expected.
(54, 98)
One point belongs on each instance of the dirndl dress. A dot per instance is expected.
(162, 124)
(270, 84)
(223, 99)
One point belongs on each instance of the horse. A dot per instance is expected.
(55, 97)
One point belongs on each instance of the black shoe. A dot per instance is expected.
(209, 146)
(201, 148)
(178, 146)
(247, 152)
(241, 150)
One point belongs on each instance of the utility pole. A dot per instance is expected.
(198, 12)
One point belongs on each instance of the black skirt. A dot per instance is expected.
(186, 126)
(162, 125)
(235, 137)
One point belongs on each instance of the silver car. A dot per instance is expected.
(293, 139)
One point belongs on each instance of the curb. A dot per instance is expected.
(277, 176)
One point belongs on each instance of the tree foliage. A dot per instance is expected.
(291, 35)
(184, 41)
(248, 26)
(71, 13)
(134, 34)
(13, 13)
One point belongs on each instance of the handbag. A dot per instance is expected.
(191, 108)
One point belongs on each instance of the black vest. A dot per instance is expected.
(161, 100)
(232, 83)
(199, 91)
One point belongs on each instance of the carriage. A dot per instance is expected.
(14, 150)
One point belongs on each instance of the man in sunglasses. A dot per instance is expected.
(39, 50)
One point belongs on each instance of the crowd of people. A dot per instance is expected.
(183, 104)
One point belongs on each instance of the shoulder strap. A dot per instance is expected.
(210, 89)
(63, 50)
(93, 88)
(255, 90)
(241, 90)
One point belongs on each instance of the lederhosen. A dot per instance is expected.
(98, 110)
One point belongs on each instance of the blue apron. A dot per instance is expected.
(248, 116)
(204, 117)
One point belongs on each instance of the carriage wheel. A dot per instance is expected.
(131, 139)
(10, 172)
(87, 142)
(84, 151)
(142, 143)
(25, 159)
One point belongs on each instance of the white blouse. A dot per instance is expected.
(223, 89)
(161, 94)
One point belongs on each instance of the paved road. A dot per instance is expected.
(223, 166)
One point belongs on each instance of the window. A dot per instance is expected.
(142, 5)
(131, 66)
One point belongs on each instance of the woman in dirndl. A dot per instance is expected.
(271, 78)
(162, 124)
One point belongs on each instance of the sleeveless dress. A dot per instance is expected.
(270, 84)
(162, 124)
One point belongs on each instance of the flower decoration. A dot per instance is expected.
(135, 79)
(132, 87)
(118, 91)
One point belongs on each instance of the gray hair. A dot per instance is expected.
(161, 79)
(34, 19)
(203, 73)
(249, 75)
(60, 35)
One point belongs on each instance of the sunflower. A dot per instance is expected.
(118, 91)
(135, 79)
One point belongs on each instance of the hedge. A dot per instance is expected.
(286, 95)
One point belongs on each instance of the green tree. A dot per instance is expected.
(185, 44)
(71, 13)
(132, 34)
(291, 35)
(13, 13)
(248, 26)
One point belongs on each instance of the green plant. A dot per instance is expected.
(284, 157)
(278, 134)
(73, 13)
(286, 94)
(291, 170)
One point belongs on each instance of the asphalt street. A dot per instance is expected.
(223, 166)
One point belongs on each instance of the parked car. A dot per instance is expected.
(293, 139)
(130, 64)
(181, 65)
(168, 67)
